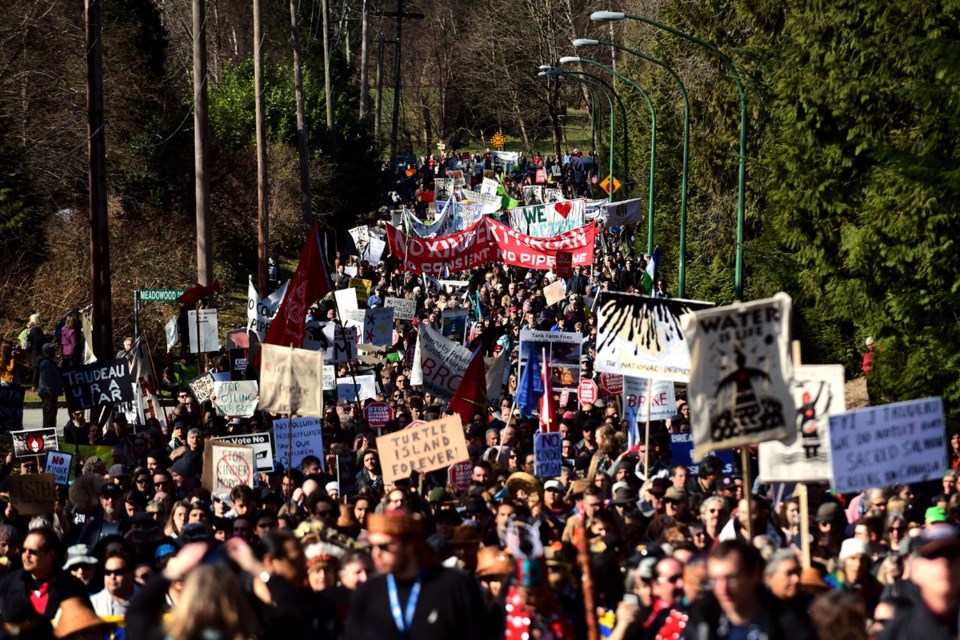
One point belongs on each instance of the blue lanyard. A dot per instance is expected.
(405, 621)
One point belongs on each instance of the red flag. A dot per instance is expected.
(309, 284)
(471, 394)
(195, 294)
(548, 413)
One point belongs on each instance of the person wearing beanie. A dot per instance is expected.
(413, 596)
(853, 573)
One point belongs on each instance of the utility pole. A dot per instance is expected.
(263, 228)
(200, 177)
(327, 83)
(379, 104)
(301, 121)
(97, 184)
(399, 15)
(364, 56)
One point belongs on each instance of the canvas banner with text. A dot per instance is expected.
(291, 381)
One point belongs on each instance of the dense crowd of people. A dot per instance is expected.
(139, 548)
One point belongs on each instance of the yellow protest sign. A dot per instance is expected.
(363, 288)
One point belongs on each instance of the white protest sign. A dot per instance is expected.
(238, 399)
(343, 341)
(374, 251)
(202, 387)
(403, 309)
(489, 187)
(351, 270)
(261, 444)
(739, 373)
(663, 400)
(346, 299)
(818, 394)
(260, 313)
(209, 337)
(546, 454)
(423, 448)
(329, 377)
(366, 387)
(291, 380)
(171, 332)
(900, 443)
(292, 442)
(59, 464)
(227, 465)
(361, 236)
(34, 442)
(442, 363)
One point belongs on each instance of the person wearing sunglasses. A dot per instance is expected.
(413, 597)
(118, 586)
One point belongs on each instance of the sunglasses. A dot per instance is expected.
(114, 572)
(383, 546)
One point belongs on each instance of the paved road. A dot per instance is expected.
(33, 418)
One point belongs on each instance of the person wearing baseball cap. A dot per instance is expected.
(932, 592)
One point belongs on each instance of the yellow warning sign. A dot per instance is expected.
(605, 184)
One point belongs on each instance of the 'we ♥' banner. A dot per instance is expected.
(485, 242)
(550, 219)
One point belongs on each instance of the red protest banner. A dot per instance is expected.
(485, 242)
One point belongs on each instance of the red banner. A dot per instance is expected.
(485, 242)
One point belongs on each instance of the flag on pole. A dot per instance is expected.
(471, 394)
(651, 271)
(310, 283)
(531, 383)
(548, 413)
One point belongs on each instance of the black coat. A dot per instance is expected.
(781, 620)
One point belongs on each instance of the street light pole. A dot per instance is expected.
(681, 273)
(653, 137)
(608, 16)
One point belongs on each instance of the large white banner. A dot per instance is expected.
(739, 374)
(489, 202)
(260, 313)
(615, 214)
(898, 443)
(817, 394)
(446, 222)
(638, 393)
(548, 220)
(441, 363)
(641, 336)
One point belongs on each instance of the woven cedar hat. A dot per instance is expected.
(74, 617)
(397, 523)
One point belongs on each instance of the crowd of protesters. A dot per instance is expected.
(139, 548)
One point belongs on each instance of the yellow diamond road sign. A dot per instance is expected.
(605, 185)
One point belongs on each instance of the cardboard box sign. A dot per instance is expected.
(32, 494)
(427, 447)
(226, 466)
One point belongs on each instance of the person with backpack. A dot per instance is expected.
(48, 384)
(32, 339)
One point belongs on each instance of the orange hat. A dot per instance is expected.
(74, 616)
(397, 523)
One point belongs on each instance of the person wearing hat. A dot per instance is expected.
(40, 585)
(77, 621)
(110, 520)
(81, 564)
(830, 526)
(853, 573)
(183, 472)
(48, 384)
(413, 597)
(932, 592)
(465, 543)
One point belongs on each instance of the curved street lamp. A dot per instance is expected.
(653, 136)
(681, 273)
(611, 16)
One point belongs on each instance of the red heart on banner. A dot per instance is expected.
(563, 208)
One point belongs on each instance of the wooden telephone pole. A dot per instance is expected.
(201, 177)
(263, 227)
(302, 149)
(399, 15)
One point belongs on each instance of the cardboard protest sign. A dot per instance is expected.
(208, 338)
(818, 394)
(553, 292)
(362, 289)
(681, 452)
(546, 220)
(260, 313)
(403, 309)
(32, 494)
(33, 442)
(227, 465)
(441, 363)
(563, 350)
(92, 385)
(663, 400)
(260, 443)
(899, 443)
(546, 454)
(202, 387)
(424, 448)
(485, 242)
(238, 399)
(365, 388)
(740, 368)
(58, 465)
(11, 407)
(346, 299)
(291, 380)
(454, 325)
(642, 337)
(294, 440)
